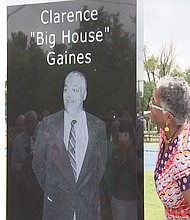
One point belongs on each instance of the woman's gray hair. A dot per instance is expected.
(175, 95)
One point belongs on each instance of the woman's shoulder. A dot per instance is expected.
(183, 144)
(188, 127)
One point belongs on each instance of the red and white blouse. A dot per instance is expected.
(172, 175)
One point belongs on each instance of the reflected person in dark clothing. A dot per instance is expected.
(13, 132)
(123, 166)
(29, 197)
(19, 124)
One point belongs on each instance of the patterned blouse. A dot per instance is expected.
(172, 175)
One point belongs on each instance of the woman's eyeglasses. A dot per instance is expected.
(158, 107)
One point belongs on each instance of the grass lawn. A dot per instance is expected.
(152, 205)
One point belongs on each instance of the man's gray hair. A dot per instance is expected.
(31, 112)
(175, 95)
(81, 76)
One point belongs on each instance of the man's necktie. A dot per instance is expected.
(71, 148)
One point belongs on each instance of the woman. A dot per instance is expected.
(170, 108)
(123, 166)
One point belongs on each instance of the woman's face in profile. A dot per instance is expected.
(156, 115)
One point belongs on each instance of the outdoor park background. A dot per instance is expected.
(166, 52)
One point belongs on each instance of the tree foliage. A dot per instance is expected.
(148, 91)
(150, 65)
(161, 65)
(186, 75)
(166, 60)
(158, 66)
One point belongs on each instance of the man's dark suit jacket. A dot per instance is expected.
(51, 164)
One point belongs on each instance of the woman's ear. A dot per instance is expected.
(169, 118)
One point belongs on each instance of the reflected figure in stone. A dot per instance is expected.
(19, 124)
(28, 196)
(123, 166)
(70, 157)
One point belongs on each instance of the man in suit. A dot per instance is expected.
(70, 182)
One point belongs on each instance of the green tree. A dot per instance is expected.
(166, 60)
(18, 67)
(150, 65)
(163, 64)
(149, 87)
(26, 76)
(186, 75)
(156, 67)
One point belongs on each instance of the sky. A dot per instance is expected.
(167, 21)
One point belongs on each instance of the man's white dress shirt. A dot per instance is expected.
(81, 131)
